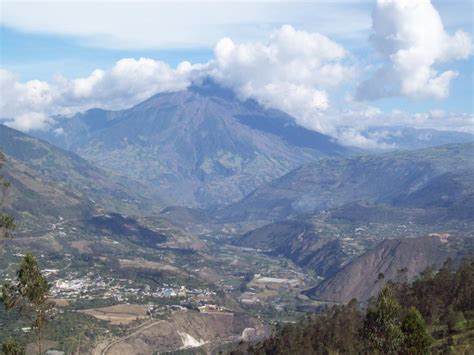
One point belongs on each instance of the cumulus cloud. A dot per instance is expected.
(293, 71)
(368, 127)
(410, 37)
(30, 105)
(128, 82)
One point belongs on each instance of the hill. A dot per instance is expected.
(433, 315)
(403, 258)
(324, 242)
(434, 177)
(48, 182)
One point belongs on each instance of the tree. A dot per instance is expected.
(464, 299)
(11, 347)
(453, 319)
(416, 338)
(382, 325)
(30, 290)
(7, 223)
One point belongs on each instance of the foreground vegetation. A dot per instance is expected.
(435, 313)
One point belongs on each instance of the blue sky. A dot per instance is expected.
(41, 56)
(40, 40)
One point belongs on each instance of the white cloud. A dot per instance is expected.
(293, 71)
(30, 105)
(128, 82)
(350, 125)
(28, 102)
(410, 37)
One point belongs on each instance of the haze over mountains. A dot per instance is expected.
(204, 147)
(409, 138)
(241, 162)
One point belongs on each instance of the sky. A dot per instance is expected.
(337, 66)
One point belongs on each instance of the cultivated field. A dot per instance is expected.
(145, 264)
(118, 314)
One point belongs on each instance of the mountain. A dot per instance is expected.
(390, 260)
(48, 182)
(394, 137)
(303, 240)
(349, 219)
(326, 241)
(200, 147)
(433, 177)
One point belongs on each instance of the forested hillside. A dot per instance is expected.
(435, 313)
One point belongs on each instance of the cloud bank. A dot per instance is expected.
(292, 71)
(30, 105)
(410, 37)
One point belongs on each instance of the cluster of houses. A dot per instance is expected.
(93, 286)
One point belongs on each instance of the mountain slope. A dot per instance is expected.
(48, 182)
(201, 147)
(435, 177)
(324, 242)
(390, 260)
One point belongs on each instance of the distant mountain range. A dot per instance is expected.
(435, 177)
(200, 147)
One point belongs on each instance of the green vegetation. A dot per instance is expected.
(30, 292)
(11, 347)
(7, 223)
(382, 331)
(394, 322)
(417, 340)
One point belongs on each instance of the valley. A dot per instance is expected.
(236, 177)
(88, 275)
(154, 238)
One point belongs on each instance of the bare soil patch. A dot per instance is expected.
(118, 314)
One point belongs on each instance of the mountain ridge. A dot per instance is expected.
(432, 176)
(48, 182)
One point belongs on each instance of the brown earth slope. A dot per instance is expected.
(390, 260)
(185, 330)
